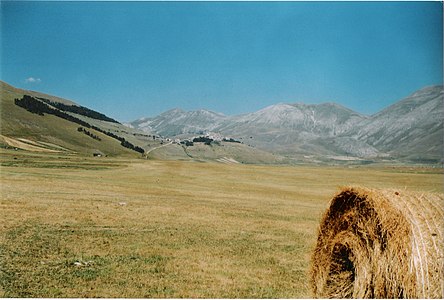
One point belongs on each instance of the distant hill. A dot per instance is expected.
(39, 122)
(410, 130)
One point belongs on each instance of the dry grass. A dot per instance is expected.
(83, 227)
(376, 243)
(25, 144)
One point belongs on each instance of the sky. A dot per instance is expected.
(136, 59)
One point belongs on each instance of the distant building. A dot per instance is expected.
(98, 153)
(214, 136)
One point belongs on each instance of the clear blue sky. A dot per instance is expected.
(134, 59)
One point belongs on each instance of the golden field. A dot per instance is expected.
(118, 227)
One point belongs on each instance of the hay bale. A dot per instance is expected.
(380, 244)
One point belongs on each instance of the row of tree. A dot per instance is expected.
(81, 129)
(208, 140)
(187, 143)
(80, 110)
(230, 140)
(33, 105)
(203, 139)
(123, 142)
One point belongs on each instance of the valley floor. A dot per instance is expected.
(108, 227)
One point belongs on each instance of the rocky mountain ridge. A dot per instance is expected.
(176, 121)
(411, 129)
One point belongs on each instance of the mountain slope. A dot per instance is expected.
(325, 119)
(412, 127)
(17, 123)
(176, 121)
(281, 128)
(292, 128)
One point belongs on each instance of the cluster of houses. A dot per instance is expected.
(213, 136)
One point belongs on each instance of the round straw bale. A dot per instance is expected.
(380, 244)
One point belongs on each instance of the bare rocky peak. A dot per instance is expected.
(412, 127)
(321, 119)
(177, 121)
(426, 98)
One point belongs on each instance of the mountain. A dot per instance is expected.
(289, 129)
(292, 128)
(325, 119)
(411, 129)
(176, 121)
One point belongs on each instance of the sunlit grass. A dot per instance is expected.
(137, 228)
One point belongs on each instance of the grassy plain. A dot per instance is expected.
(108, 227)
